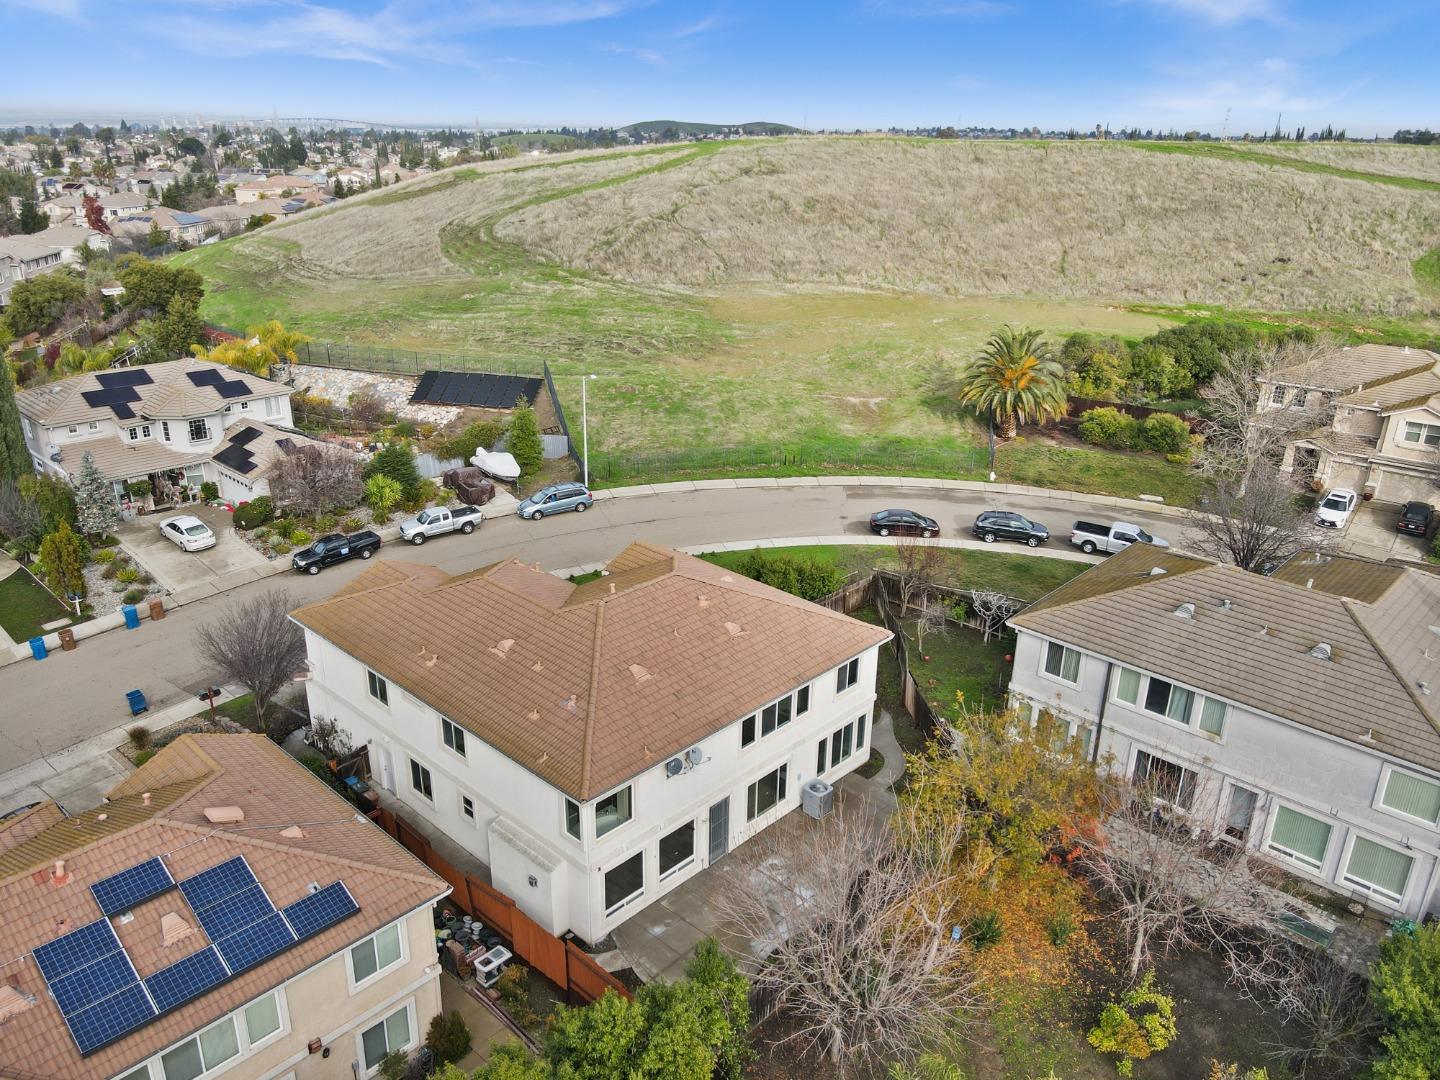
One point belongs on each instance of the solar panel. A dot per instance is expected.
(237, 458)
(235, 912)
(85, 986)
(122, 411)
(213, 885)
(311, 914)
(122, 891)
(205, 377)
(233, 388)
(126, 377)
(76, 949)
(256, 943)
(245, 437)
(108, 1020)
(187, 979)
(475, 389)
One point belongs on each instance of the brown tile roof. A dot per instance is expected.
(20, 825)
(542, 669)
(1354, 366)
(170, 395)
(1340, 575)
(242, 770)
(1256, 651)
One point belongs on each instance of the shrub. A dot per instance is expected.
(511, 986)
(260, 534)
(524, 440)
(284, 528)
(1059, 928)
(1405, 986)
(138, 489)
(1199, 347)
(325, 523)
(112, 568)
(367, 408)
(143, 756)
(482, 433)
(398, 463)
(134, 596)
(1140, 1024)
(1108, 427)
(382, 493)
(209, 491)
(255, 512)
(394, 1065)
(807, 578)
(299, 537)
(1164, 433)
(281, 548)
(1154, 373)
(350, 524)
(129, 575)
(448, 1038)
(985, 930)
(104, 555)
(1099, 375)
(406, 428)
(139, 736)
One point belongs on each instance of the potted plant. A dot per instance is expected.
(139, 489)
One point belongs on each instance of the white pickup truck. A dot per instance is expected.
(1090, 537)
(439, 520)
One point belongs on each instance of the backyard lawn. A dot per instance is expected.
(958, 661)
(26, 605)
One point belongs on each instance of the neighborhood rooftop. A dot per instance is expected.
(587, 685)
(1353, 367)
(1257, 640)
(170, 390)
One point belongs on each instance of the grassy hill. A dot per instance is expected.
(804, 291)
(687, 127)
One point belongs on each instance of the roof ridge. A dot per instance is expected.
(587, 743)
(1349, 604)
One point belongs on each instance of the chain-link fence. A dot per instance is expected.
(410, 361)
(758, 459)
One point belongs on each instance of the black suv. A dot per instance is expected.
(1415, 518)
(1003, 525)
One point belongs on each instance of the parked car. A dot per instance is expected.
(1335, 509)
(903, 523)
(555, 499)
(187, 532)
(995, 525)
(335, 547)
(470, 485)
(439, 520)
(498, 464)
(1416, 518)
(1090, 536)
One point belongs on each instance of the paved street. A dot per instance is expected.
(57, 702)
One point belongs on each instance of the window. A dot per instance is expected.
(420, 780)
(1299, 399)
(375, 954)
(842, 744)
(1277, 396)
(860, 732)
(92, 426)
(453, 734)
(467, 807)
(1165, 780)
(213, 1047)
(1378, 869)
(1127, 686)
(572, 818)
(677, 849)
(822, 756)
(1212, 716)
(1300, 837)
(199, 430)
(392, 1033)
(379, 690)
(624, 883)
(1062, 663)
(747, 731)
(775, 716)
(1168, 700)
(802, 700)
(262, 1018)
(846, 675)
(766, 793)
(244, 406)
(142, 1073)
(1412, 796)
(612, 811)
(272, 406)
(72, 430)
(1416, 432)
(165, 430)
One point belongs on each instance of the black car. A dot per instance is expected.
(995, 525)
(903, 523)
(335, 547)
(1415, 517)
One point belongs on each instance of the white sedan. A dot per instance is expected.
(187, 532)
(1335, 509)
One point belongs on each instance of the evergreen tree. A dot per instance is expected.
(338, 189)
(94, 499)
(297, 149)
(524, 440)
(14, 458)
(32, 218)
(63, 561)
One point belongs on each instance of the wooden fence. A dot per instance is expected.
(562, 962)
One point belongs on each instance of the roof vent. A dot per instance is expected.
(145, 798)
(224, 815)
(294, 832)
(58, 875)
(174, 929)
(1185, 611)
(12, 1002)
(1369, 736)
(703, 600)
(1309, 583)
(733, 629)
(1156, 571)
(641, 675)
(532, 716)
(502, 648)
(572, 701)
(1321, 651)
(612, 588)
(1424, 687)
(537, 666)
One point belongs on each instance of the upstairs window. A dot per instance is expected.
(375, 954)
(1168, 700)
(199, 430)
(612, 811)
(1062, 662)
(1412, 796)
(1277, 396)
(1417, 433)
(847, 675)
(454, 735)
(572, 818)
(379, 688)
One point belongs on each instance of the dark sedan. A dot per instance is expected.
(1003, 525)
(903, 523)
(1415, 518)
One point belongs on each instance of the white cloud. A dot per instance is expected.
(69, 10)
(699, 26)
(1223, 12)
(652, 57)
(931, 9)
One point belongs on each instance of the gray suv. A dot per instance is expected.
(554, 500)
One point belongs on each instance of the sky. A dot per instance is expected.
(1210, 65)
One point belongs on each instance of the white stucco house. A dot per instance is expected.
(176, 424)
(596, 744)
(1295, 713)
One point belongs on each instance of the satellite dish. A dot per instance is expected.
(694, 756)
(674, 767)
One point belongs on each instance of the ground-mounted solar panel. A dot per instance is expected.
(124, 377)
(245, 437)
(424, 387)
(215, 884)
(65, 954)
(115, 1017)
(122, 891)
(235, 912)
(84, 986)
(320, 910)
(187, 979)
(256, 943)
(205, 377)
(233, 388)
(474, 389)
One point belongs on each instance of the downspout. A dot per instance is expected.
(1100, 716)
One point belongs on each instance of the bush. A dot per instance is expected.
(381, 494)
(281, 548)
(284, 528)
(807, 578)
(1405, 986)
(482, 433)
(1059, 929)
(134, 596)
(1108, 427)
(260, 534)
(524, 440)
(129, 575)
(1199, 348)
(985, 930)
(253, 513)
(139, 736)
(209, 491)
(325, 523)
(299, 537)
(406, 428)
(143, 756)
(104, 555)
(350, 524)
(1164, 433)
(1140, 1024)
(398, 463)
(112, 568)
(448, 1038)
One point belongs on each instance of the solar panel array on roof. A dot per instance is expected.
(226, 388)
(474, 389)
(124, 377)
(117, 398)
(245, 436)
(95, 985)
(235, 456)
(187, 979)
(237, 915)
(321, 909)
(122, 891)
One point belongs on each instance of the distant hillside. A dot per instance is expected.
(685, 127)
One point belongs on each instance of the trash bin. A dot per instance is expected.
(132, 617)
(157, 608)
(136, 700)
(37, 648)
(67, 639)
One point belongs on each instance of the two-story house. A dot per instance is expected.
(175, 424)
(1382, 433)
(1297, 713)
(23, 258)
(223, 913)
(594, 744)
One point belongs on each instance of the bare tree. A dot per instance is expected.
(255, 644)
(992, 608)
(865, 965)
(316, 479)
(932, 618)
(1253, 520)
(922, 564)
(328, 738)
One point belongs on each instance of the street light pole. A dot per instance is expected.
(585, 431)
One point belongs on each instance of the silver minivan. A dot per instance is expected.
(556, 499)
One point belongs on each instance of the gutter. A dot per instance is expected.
(1100, 714)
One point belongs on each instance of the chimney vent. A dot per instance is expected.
(612, 588)
(502, 648)
(1225, 604)
(1309, 583)
(145, 798)
(58, 875)
(1185, 611)
(733, 629)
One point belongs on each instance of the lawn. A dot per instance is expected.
(26, 605)
(959, 662)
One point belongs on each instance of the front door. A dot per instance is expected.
(719, 829)
(387, 770)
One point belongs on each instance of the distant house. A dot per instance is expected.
(64, 209)
(122, 205)
(271, 186)
(23, 258)
(305, 202)
(176, 224)
(71, 238)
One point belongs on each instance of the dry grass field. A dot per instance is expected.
(1422, 162)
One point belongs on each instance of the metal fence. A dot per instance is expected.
(778, 459)
(410, 361)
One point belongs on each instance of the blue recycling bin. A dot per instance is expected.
(37, 648)
(137, 702)
(132, 616)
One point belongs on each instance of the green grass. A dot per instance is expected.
(960, 662)
(1427, 272)
(26, 605)
(241, 710)
(1347, 327)
(1224, 151)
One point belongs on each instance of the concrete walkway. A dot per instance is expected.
(486, 1030)
(882, 740)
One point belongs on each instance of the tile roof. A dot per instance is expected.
(543, 670)
(1256, 651)
(1414, 388)
(169, 395)
(1353, 366)
(121, 460)
(1340, 575)
(241, 770)
(251, 448)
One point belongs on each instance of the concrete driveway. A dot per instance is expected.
(230, 562)
(1372, 535)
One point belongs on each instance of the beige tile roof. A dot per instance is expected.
(121, 460)
(545, 671)
(1256, 652)
(1340, 575)
(242, 770)
(1353, 366)
(1405, 392)
(265, 447)
(170, 395)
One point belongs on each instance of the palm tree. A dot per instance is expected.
(1013, 379)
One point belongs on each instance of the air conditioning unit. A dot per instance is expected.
(817, 798)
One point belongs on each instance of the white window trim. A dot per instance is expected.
(378, 973)
(565, 802)
(854, 682)
(1045, 652)
(459, 755)
(753, 823)
(154, 1068)
(374, 1070)
(620, 905)
(385, 701)
(429, 774)
(694, 844)
(1197, 704)
(1292, 858)
(1344, 881)
(758, 715)
(471, 818)
(595, 815)
(1379, 802)
(1169, 758)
